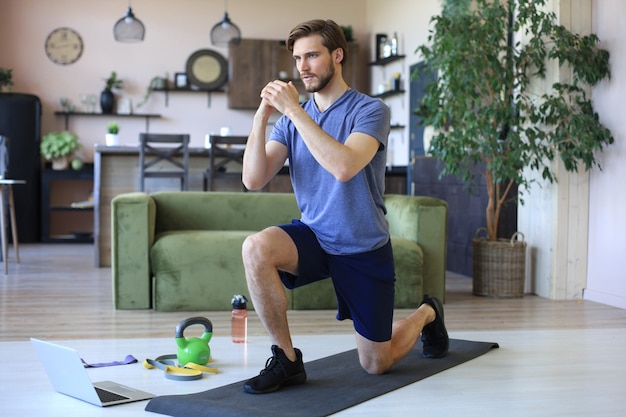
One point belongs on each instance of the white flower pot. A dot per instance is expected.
(60, 163)
(112, 139)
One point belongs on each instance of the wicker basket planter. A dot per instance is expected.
(499, 266)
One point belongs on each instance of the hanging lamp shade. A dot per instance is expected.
(129, 28)
(224, 31)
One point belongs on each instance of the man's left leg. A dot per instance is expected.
(427, 320)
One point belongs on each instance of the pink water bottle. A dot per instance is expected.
(239, 319)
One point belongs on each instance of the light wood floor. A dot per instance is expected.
(57, 293)
(555, 358)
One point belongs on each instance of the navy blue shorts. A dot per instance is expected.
(364, 283)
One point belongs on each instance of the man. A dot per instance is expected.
(335, 143)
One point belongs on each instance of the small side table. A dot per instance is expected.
(6, 186)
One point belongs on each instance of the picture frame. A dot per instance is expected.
(180, 80)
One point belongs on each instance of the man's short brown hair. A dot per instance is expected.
(332, 35)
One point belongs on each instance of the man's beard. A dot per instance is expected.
(323, 81)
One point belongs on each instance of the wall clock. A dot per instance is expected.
(64, 46)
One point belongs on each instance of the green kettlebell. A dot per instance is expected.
(194, 349)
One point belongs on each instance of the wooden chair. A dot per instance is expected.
(221, 153)
(164, 150)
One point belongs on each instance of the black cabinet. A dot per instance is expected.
(20, 122)
(395, 180)
(67, 205)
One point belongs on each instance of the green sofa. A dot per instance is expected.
(181, 251)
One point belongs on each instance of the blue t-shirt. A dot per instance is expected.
(347, 217)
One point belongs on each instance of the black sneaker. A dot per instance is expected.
(434, 335)
(279, 371)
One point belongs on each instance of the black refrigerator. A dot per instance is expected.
(20, 122)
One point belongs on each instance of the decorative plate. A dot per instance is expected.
(207, 69)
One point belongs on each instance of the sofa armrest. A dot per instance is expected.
(423, 220)
(132, 235)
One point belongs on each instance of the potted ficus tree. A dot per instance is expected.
(490, 120)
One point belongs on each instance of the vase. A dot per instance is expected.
(107, 101)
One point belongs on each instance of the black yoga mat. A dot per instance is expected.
(333, 384)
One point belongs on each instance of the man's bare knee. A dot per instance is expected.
(270, 248)
(374, 365)
(259, 247)
(252, 247)
(374, 357)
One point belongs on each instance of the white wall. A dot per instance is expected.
(606, 280)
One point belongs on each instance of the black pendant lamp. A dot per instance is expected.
(224, 31)
(129, 28)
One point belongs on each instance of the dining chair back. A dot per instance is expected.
(164, 156)
(224, 149)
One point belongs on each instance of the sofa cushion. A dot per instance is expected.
(222, 210)
(408, 259)
(185, 278)
(408, 262)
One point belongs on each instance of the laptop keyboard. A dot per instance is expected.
(108, 396)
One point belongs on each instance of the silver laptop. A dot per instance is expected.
(69, 376)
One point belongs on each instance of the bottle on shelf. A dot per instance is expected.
(239, 319)
(394, 44)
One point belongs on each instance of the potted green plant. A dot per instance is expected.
(112, 137)
(489, 122)
(58, 147)
(156, 83)
(6, 78)
(107, 98)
